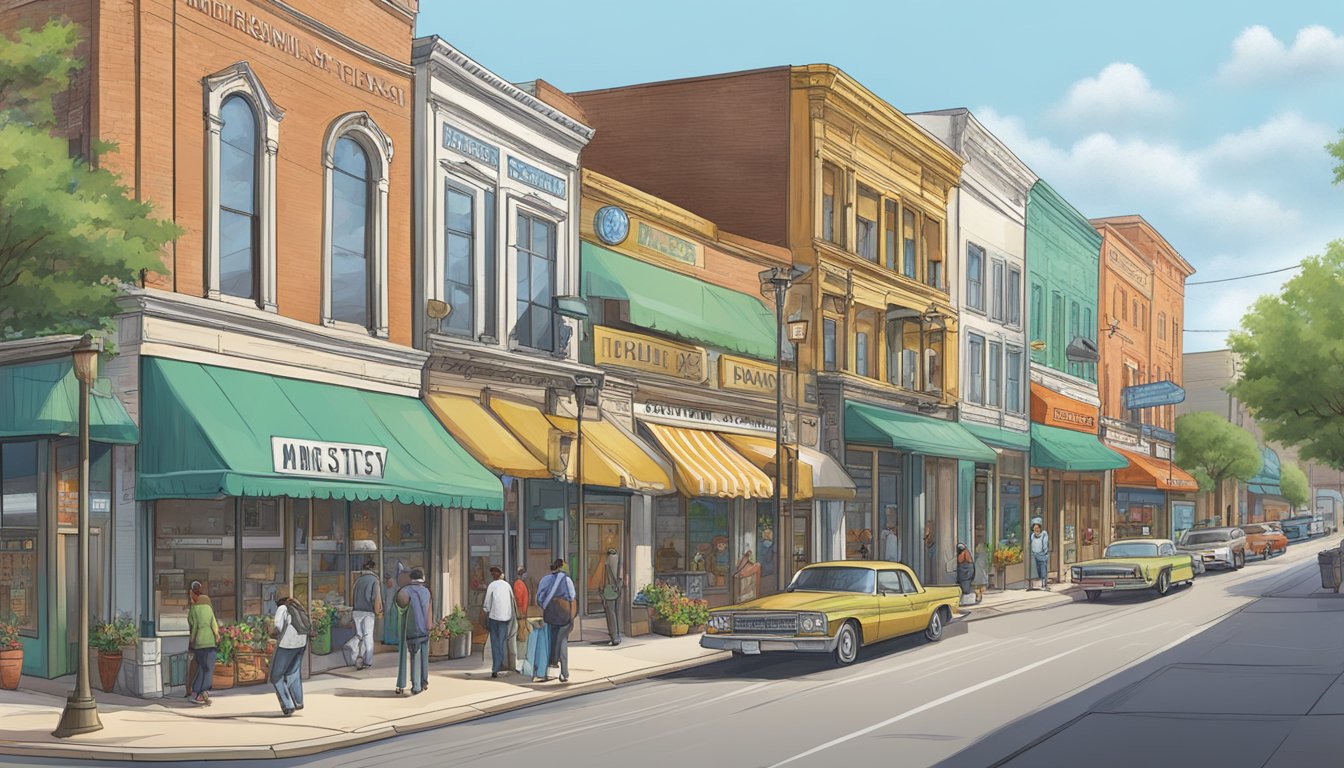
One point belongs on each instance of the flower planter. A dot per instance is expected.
(11, 668)
(439, 647)
(223, 677)
(321, 644)
(459, 646)
(661, 627)
(680, 629)
(109, 666)
(251, 667)
(697, 629)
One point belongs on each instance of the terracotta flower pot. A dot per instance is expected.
(109, 666)
(224, 676)
(439, 646)
(11, 668)
(680, 629)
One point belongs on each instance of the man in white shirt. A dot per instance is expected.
(498, 612)
(287, 664)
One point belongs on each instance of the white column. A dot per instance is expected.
(213, 125)
(269, 291)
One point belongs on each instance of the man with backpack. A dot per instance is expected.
(367, 600)
(290, 629)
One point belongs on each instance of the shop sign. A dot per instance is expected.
(1065, 418)
(466, 144)
(745, 375)
(1154, 395)
(1162, 451)
(645, 353)
(666, 244)
(313, 458)
(1124, 265)
(533, 176)
(701, 418)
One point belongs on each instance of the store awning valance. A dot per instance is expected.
(830, 481)
(1147, 472)
(998, 436)
(488, 440)
(872, 425)
(761, 452)
(1264, 490)
(212, 431)
(1071, 451)
(706, 466)
(41, 399)
(679, 305)
(819, 475)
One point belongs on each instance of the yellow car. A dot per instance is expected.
(1135, 564)
(835, 608)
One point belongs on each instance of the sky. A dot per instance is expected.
(1208, 119)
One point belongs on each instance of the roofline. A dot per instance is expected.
(681, 80)
(1137, 219)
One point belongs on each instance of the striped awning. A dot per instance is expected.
(761, 452)
(706, 466)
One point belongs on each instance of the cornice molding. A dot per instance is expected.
(41, 348)
(345, 42)
(470, 360)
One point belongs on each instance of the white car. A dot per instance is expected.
(1220, 547)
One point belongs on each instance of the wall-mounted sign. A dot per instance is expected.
(701, 418)
(611, 224)
(667, 244)
(1135, 272)
(533, 176)
(1157, 433)
(645, 353)
(466, 144)
(1154, 395)
(313, 458)
(1162, 451)
(746, 375)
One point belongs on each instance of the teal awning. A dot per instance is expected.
(679, 305)
(999, 437)
(874, 425)
(41, 399)
(208, 433)
(1270, 471)
(1264, 489)
(1056, 448)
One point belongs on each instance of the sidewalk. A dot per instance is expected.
(998, 603)
(345, 708)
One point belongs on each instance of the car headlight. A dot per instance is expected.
(1077, 574)
(720, 622)
(812, 623)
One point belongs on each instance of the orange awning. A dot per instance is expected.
(1053, 409)
(1147, 472)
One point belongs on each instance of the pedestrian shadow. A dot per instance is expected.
(364, 693)
(267, 715)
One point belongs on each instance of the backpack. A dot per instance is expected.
(298, 619)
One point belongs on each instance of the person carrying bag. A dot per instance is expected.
(556, 597)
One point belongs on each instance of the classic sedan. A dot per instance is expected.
(1263, 540)
(835, 608)
(1221, 547)
(1135, 564)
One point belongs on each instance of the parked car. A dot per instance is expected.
(835, 608)
(1216, 547)
(1262, 539)
(1297, 527)
(1131, 564)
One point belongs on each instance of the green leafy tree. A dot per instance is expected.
(71, 235)
(1213, 450)
(1336, 148)
(1293, 483)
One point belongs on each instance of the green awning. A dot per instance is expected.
(1264, 490)
(1056, 448)
(681, 306)
(42, 399)
(999, 437)
(208, 433)
(872, 425)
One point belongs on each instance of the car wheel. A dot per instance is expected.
(1238, 560)
(1267, 552)
(846, 644)
(934, 632)
(1163, 583)
(1093, 595)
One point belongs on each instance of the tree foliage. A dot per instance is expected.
(1292, 354)
(70, 233)
(1293, 484)
(1336, 148)
(1212, 449)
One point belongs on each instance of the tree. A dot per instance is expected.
(1336, 148)
(71, 235)
(1213, 451)
(1293, 483)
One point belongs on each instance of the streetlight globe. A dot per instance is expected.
(85, 356)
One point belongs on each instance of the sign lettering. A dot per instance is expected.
(747, 375)
(466, 144)
(643, 353)
(313, 458)
(533, 176)
(702, 418)
(668, 245)
(1072, 417)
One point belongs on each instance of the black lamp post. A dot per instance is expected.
(81, 711)
(777, 280)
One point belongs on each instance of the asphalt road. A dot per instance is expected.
(1071, 684)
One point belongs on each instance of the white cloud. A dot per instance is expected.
(1259, 56)
(1120, 95)
(1284, 136)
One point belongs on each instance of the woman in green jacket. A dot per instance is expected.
(203, 643)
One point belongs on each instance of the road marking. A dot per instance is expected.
(930, 705)
(888, 670)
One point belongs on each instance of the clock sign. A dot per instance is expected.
(611, 224)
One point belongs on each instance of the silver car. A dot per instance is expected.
(1216, 547)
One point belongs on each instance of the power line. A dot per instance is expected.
(1244, 277)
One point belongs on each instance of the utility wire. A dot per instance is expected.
(1244, 277)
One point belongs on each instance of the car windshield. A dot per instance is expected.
(1131, 549)
(834, 579)
(1205, 537)
(1256, 529)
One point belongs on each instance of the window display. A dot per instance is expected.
(707, 539)
(18, 534)
(859, 510)
(193, 541)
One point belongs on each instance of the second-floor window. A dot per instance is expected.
(996, 289)
(1013, 292)
(909, 243)
(829, 342)
(994, 374)
(1162, 325)
(866, 220)
(351, 254)
(975, 361)
(459, 274)
(975, 277)
(831, 205)
(1012, 389)
(934, 274)
(535, 273)
(239, 152)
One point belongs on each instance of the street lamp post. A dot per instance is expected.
(81, 710)
(778, 280)
(581, 386)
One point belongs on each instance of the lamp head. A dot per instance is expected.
(85, 357)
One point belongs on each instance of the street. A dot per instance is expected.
(1036, 688)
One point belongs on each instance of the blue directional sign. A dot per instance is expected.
(1153, 395)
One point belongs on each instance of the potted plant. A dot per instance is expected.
(696, 614)
(11, 655)
(249, 649)
(108, 637)
(320, 616)
(459, 633)
(235, 642)
(440, 638)
(1002, 556)
(659, 598)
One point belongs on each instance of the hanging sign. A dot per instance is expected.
(645, 353)
(314, 458)
(746, 375)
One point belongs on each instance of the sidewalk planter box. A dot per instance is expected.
(321, 644)
(109, 666)
(250, 666)
(11, 669)
(223, 677)
(666, 629)
(459, 646)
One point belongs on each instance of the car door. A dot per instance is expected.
(1181, 570)
(894, 605)
(920, 602)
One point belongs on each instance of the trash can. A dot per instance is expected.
(1330, 561)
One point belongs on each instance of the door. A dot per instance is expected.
(485, 547)
(67, 594)
(600, 536)
(918, 618)
(894, 607)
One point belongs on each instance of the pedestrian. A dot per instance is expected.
(415, 627)
(290, 628)
(523, 598)
(556, 596)
(611, 596)
(965, 572)
(391, 626)
(981, 571)
(368, 605)
(497, 613)
(1039, 545)
(203, 642)
(891, 536)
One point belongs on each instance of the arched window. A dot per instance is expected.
(350, 251)
(238, 221)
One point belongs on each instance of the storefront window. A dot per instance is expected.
(263, 554)
(1070, 508)
(859, 510)
(670, 529)
(301, 519)
(546, 503)
(1182, 518)
(767, 547)
(1090, 519)
(1011, 465)
(327, 550)
(18, 534)
(194, 540)
(887, 542)
(707, 539)
(1136, 514)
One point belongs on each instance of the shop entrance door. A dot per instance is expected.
(67, 595)
(485, 547)
(599, 536)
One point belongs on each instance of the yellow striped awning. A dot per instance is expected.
(707, 466)
(488, 441)
(638, 468)
(761, 452)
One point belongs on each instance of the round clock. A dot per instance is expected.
(611, 224)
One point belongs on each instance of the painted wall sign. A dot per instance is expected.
(701, 418)
(1154, 395)
(747, 375)
(1068, 418)
(1136, 273)
(314, 458)
(535, 177)
(466, 144)
(645, 353)
(666, 244)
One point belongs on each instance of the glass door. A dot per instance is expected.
(600, 536)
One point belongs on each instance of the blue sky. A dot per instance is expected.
(1208, 119)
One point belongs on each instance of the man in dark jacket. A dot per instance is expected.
(367, 601)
